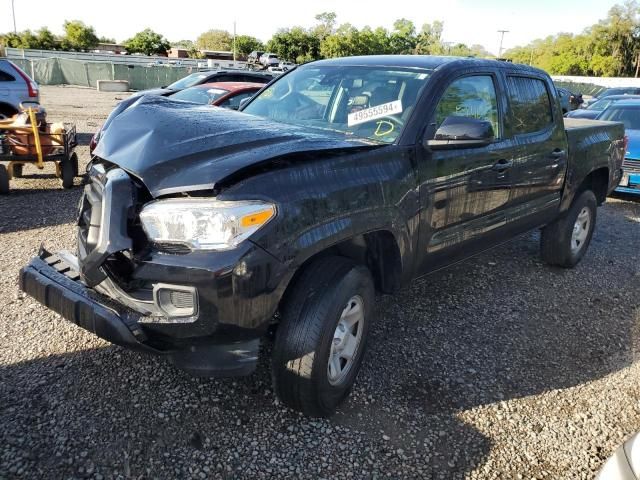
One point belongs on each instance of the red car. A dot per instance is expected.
(220, 94)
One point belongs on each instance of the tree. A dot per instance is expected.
(107, 40)
(188, 44)
(245, 44)
(220, 40)
(148, 42)
(326, 25)
(78, 36)
(295, 44)
(42, 39)
(429, 40)
(403, 38)
(46, 39)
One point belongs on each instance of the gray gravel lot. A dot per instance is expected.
(501, 367)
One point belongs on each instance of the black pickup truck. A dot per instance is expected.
(200, 228)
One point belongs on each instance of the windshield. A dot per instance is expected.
(600, 104)
(188, 81)
(199, 95)
(630, 116)
(369, 102)
(614, 91)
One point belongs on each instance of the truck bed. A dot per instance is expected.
(590, 148)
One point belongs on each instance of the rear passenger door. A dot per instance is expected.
(540, 159)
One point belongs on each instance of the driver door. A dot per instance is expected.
(464, 190)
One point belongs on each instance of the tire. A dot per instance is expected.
(74, 162)
(67, 174)
(17, 171)
(4, 180)
(558, 244)
(312, 314)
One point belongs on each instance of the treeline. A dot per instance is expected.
(296, 44)
(610, 48)
(80, 37)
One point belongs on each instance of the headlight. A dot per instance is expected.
(204, 224)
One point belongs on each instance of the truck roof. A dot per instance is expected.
(430, 62)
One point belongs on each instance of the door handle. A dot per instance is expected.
(557, 154)
(502, 165)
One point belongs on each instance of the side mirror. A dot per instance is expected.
(243, 102)
(462, 132)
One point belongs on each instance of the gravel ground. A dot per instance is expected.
(501, 367)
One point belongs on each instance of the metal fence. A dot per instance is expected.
(137, 60)
(61, 71)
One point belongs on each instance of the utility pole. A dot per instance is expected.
(13, 11)
(234, 43)
(501, 32)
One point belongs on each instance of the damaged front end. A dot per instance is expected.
(176, 303)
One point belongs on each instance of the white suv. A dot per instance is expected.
(16, 87)
(269, 60)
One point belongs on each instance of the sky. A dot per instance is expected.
(465, 21)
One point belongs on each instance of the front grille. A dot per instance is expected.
(103, 223)
(631, 166)
(89, 216)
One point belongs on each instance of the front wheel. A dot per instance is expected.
(565, 241)
(322, 337)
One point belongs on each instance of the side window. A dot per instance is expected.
(234, 102)
(5, 77)
(474, 97)
(530, 104)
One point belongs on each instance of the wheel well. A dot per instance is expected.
(598, 182)
(378, 251)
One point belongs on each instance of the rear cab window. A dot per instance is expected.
(531, 108)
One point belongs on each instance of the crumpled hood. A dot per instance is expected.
(174, 146)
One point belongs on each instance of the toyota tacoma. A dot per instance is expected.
(200, 230)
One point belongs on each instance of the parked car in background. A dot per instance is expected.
(269, 60)
(16, 88)
(219, 94)
(211, 76)
(613, 91)
(627, 112)
(287, 65)
(594, 109)
(564, 96)
(197, 227)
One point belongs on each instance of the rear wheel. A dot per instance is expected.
(4, 180)
(322, 337)
(565, 241)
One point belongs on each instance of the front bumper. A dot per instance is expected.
(55, 284)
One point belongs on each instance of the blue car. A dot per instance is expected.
(627, 112)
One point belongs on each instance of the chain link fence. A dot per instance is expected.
(62, 71)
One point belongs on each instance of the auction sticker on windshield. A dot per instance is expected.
(373, 113)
